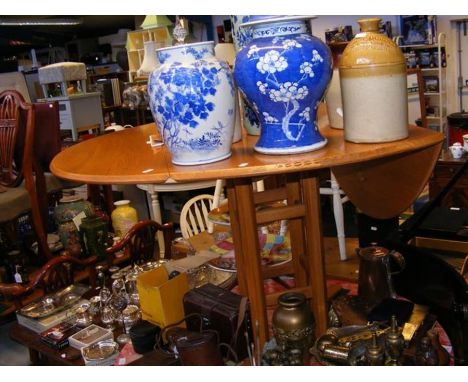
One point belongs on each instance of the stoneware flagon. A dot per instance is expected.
(373, 87)
(283, 73)
(192, 99)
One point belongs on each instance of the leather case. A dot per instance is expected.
(219, 309)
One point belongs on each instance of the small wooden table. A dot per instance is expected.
(41, 353)
(382, 180)
(445, 168)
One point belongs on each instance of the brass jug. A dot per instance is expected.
(375, 276)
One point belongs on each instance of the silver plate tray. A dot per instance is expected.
(56, 302)
(100, 350)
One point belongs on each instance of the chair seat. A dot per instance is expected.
(13, 202)
(56, 184)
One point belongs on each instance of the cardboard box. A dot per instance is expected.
(57, 336)
(161, 299)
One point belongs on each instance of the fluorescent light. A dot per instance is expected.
(38, 22)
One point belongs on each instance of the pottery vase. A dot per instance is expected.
(241, 37)
(333, 95)
(293, 323)
(123, 217)
(93, 237)
(283, 73)
(374, 87)
(192, 99)
(64, 213)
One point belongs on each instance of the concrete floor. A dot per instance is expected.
(11, 352)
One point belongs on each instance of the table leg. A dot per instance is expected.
(156, 216)
(235, 229)
(108, 198)
(241, 202)
(33, 357)
(314, 250)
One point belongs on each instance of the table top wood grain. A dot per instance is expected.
(124, 157)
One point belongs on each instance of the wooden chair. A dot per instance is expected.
(194, 215)
(54, 275)
(47, 144)
(139, 243)
(420, 93)
(339, 198)
(21, 177)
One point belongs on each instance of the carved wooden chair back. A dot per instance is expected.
(17, 131)
(140, 242)
(14, 140)
(54, 275)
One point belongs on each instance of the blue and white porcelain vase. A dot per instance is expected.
(283, 73)
(192, 99)
(241, 37)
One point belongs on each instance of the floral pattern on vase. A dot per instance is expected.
(241, 37)
(192, 99)
(284, 76)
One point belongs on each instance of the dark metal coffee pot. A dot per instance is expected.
(375, 276)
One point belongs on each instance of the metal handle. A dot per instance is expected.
(400, 260)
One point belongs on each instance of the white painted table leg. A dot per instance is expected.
(218, 194)
(156, 216)
(155, 210)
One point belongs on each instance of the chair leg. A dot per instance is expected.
(41, 234)
(217, 198)
(339, 217)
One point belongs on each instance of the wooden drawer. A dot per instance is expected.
(458, 196)
(445, 171)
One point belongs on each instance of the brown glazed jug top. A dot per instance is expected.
(371, 48)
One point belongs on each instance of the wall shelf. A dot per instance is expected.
(435, 99)
(136, 46)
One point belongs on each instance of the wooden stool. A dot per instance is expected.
(301, 191)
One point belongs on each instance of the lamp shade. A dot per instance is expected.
(155, 22)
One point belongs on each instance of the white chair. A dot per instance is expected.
(338, 201)
(194, 215)
(335, 191)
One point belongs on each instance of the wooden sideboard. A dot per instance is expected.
(444, 170)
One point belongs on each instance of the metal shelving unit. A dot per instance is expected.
(436, 99)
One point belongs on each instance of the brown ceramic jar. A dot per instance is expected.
(373, 87)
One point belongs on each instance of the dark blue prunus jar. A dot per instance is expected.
(283, 73)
